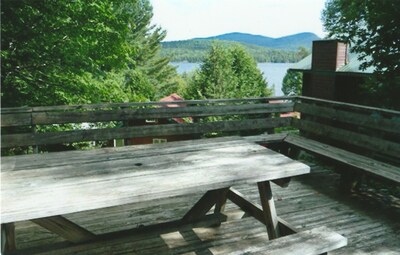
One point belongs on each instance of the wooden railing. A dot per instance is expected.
(369, 131)
(31, 126)
(361, 137)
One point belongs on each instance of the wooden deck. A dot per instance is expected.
(370, 224)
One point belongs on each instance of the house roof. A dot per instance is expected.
(303, 65)
(171, 98)
(353, 65)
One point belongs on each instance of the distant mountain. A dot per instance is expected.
(196, 50)
(263, 49)
(290, 42)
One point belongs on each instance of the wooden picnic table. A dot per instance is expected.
(44, 187)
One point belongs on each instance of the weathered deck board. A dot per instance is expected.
(312, 242)
(310, 201)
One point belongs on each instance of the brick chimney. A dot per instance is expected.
(327, 57)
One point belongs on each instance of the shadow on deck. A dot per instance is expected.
(371, 225)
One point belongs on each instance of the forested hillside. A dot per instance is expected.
(290, 42)
(196, 50)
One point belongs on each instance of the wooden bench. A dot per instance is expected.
(360, 138)
(186, 241)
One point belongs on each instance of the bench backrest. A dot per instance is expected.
(372, 132)
(35, 126)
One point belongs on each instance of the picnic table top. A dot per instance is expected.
(42, 185)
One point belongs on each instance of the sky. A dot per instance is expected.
(187, 19)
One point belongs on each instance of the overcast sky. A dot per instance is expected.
(186, 19)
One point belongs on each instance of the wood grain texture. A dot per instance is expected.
(310, 201)
(8, 242)
(65, 228)
(369, 120)
(141, 131)
(269, 211)
(77, 158)
(348, 106)
(141, 239)
(201, 207)
(143, 104)
(41, 118)
(266, 138)
(374, 167)
(221, 200)
(312, 242)
(367, 142)
(16, 119)
(256, 211)
(111, 181)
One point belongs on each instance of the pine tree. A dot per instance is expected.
(227, 73)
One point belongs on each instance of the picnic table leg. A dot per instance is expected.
(8, 238)
(206, 202)
(221, 198)
(65, 228)
(269, 211)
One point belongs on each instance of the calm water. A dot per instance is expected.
(273, 72)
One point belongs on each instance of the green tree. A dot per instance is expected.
(67, 52)
(47, 45)
(147, 64)
(227, 73)
(215, 77)
(292, 83)
(250, 81)
(302, 53)
(372, 29)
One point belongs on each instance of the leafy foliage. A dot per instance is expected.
(68, 52)
(292, 83)
(227, 73)
(372, 29)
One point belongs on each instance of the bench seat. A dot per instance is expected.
(371, 166)
(233, 236)
(316, 241)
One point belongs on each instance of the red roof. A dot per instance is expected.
(287, 114)
(171, 98)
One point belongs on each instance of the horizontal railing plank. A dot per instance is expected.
(157, 113)
(10, 110)
(368, 120)
(143, 104)
(16, 119)
(349, 137)
(348, 106)
(140, 131)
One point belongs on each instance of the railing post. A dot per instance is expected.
(35, 147)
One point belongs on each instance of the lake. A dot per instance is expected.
(272, 72)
